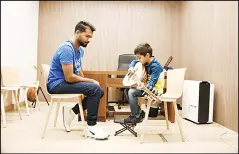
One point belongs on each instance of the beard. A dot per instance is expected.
(83, 44)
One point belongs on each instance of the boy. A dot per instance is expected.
(144, 54)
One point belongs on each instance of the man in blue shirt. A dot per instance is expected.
(144, 54)
(66, 77)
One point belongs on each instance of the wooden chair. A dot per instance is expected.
(175, 79)
(58, 97)
(10, 77)
(10, 84)
(25, 88)
(4, 92)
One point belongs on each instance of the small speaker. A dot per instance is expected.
(197, 101)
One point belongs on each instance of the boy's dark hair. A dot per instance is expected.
(143, 49)
(83, 25)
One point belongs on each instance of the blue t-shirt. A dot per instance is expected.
(153, 69)
(66, 53)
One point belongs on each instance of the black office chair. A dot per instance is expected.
(123, 65)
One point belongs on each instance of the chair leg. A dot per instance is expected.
(146, 118)
(178, 120)
(26, 101)
(82, 115)
(17, 103)
(47, 118)
(57, 111)
(18, 95)
(119, 107)
(3, 111)
(37, 99)
(166, 113)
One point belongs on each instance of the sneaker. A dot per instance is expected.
(134, 119)
(131, 119)
(68, 116)
(96, 133)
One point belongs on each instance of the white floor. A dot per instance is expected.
(25, 136)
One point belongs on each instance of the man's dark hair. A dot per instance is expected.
(83, 25)
(143, 49)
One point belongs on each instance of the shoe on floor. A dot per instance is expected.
(68, 116)
(96, 133)
(135, 119)
(131, 120)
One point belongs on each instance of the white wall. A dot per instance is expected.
(19, 36)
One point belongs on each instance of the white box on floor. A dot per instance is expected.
(197, 101)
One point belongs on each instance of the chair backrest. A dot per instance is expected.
(46, 69)
(175, 79)
(124, 61)
(10, 76)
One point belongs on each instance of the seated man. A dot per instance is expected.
(66, 77)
